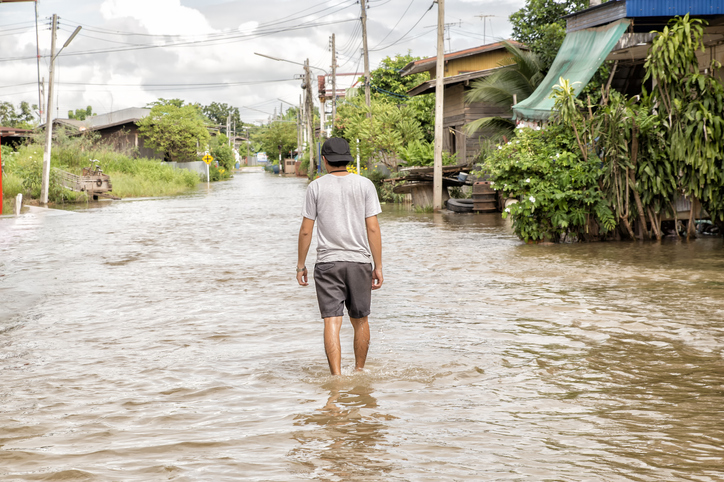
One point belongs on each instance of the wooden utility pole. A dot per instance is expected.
(334, 82)
(366, 54)
(439, 99)
(45, 183)
(310, 117)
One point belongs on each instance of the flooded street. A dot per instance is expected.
(167, 339)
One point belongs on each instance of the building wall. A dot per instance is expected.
(484, 61)
(125, 138)
(456, 114)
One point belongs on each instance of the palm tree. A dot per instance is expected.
(513, 81)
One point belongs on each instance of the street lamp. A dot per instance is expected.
(49, 121)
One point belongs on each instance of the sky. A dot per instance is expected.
(132, 52)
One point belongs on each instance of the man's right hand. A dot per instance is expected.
(302, 277)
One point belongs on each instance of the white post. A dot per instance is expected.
(208, 178)
(358, 171)
(18, 203)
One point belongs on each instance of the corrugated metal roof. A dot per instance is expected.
(670, 8)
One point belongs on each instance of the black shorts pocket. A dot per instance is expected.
(323, 266)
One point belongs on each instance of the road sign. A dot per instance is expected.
(207, 159)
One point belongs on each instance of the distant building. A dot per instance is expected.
(118, 129)
(461, 68)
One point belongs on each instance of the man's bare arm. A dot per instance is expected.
(374, 237)
(305, 239)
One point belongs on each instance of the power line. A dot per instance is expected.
(406, 33)
(191, 43)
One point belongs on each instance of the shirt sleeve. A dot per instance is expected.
(309, 209)
(372, 202)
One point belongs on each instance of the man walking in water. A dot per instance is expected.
(345, 207)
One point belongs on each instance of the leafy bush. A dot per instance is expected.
(557, 191)
(224, 155)
(422, 153)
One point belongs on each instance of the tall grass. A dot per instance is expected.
(129, 177)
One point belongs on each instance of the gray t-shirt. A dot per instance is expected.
(340, 205)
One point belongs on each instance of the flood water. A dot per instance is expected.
(167, 339)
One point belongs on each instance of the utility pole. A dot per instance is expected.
(37, 46)
(366, 54)
(439, 97)
(310, 116)
(334, 82)
(45, 183)
(299, 128)
(49, 118)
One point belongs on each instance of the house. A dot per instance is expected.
(461, 68)
(13, 136)
(118, 128)
(620, 31)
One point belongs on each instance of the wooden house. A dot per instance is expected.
(620, 31)
(461, 68)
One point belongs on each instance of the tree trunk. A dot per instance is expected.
(654, 224)
(637, 198)
(690, 228)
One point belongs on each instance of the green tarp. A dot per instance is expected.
(580, 56)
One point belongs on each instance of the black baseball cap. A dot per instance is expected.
(336, 149)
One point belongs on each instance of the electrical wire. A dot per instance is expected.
(398, 23)
(406, 33)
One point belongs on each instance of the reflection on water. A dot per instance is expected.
(344, 438)
(166, 339)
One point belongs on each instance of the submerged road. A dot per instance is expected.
(166, 339)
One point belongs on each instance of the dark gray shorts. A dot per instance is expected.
(342, 283)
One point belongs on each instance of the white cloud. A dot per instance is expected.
(159, 17)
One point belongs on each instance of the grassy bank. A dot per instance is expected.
(130, 177)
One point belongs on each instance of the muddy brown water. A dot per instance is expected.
(166, 339)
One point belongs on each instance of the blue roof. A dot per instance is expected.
(671, 8)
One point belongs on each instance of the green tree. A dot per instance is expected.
(692, 111)
(22, 118)
(81, 114)
(387, 85)
(178, 131)
(515, 81)
(219, 114)
(383, 134)
(539, 26)
(279, 132)
(161, 101)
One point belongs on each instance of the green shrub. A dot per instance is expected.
(557, 190)
(224, 155)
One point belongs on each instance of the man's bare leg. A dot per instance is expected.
(331, 344)
(361, 341)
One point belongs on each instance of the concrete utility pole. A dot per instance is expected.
(439, 100)
(49, 121)
(49, 118)
(366, 54)
(310, 116)
(334, 82)
(37, 47)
